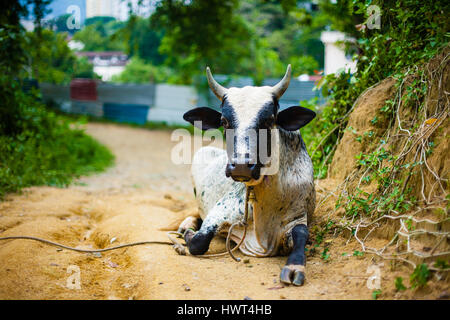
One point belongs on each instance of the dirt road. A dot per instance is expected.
(132, 201)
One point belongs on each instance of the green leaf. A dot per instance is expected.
(375, 294)
(420, 276)
(399, 284)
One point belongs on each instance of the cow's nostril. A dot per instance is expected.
(256, 173)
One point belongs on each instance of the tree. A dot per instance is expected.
(49, 59)
(12, 58)
(144, 42)
(137, 71)
(200, 33)
(254, 37)
(59, 24)
(98, 36)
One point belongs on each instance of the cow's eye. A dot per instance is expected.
(225, 123)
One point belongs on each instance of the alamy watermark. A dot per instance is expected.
(374, 280)
(74, 20)
(73, 282)
(251, 146)
(373, 21)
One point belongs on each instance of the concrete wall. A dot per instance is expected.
(167, 102)
(171, 102)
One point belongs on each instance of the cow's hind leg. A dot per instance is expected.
(190, 222)
(294, 270)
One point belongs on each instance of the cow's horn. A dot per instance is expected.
(281, 86)
(218, 90)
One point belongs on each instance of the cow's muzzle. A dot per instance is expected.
(243, 171)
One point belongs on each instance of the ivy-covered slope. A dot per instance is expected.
(391, 168)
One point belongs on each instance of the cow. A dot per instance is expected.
(284, 201)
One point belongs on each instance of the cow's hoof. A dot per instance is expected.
(188, 235)
(293, 274)
(198, 243)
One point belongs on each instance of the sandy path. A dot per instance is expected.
(142, 193)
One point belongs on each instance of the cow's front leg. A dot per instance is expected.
(294, 270)
(228, 210)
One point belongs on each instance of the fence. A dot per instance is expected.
(138, 103)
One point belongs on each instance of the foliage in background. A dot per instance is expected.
(137, 71)
(199, 33)
(36, 146)
(98, 35)
(141, 40)
(253, 38)
(412, 32)
(45, 150)
(49, 59)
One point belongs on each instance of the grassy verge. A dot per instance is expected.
(45, 149)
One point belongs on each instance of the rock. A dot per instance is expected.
(186, 287)
(275, 288)
(444, 295)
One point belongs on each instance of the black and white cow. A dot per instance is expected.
(283, 201)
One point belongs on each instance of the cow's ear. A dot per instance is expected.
(293, 118)
(203, 118)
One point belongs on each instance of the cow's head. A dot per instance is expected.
(244, 112)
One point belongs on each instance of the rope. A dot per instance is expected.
(229, 251)
(179, 248)
(84, 250)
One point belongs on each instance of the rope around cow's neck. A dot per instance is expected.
(177, 246)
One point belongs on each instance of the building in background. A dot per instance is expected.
(119, 9)
(106, 64)
(335, 57)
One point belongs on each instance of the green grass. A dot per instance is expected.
(46, 149)
(53, 160)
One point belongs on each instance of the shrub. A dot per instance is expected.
(38, 147)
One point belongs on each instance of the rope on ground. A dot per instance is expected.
(179, 248)
(248, 195)
(84, 250)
